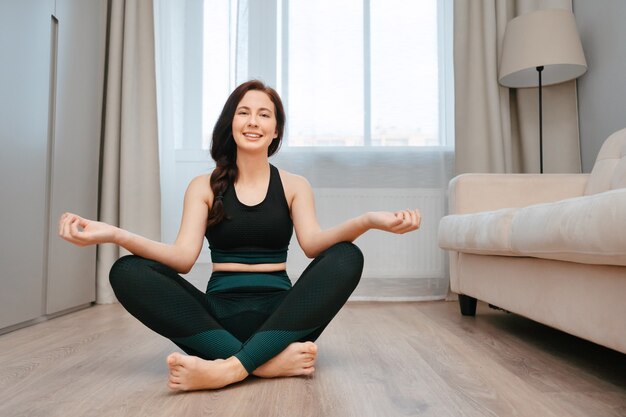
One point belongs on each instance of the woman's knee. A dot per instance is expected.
(126, 268)
(347, 251)
(348, 257)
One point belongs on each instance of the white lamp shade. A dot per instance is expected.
(547, 38)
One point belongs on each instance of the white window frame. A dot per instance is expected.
(268, 36)
(445, 62)
(263, 38)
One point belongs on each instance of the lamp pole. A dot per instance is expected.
(539, 70)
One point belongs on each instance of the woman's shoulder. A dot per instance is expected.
(201, 180)
(293, 180)
(293, 184)
(200, 186)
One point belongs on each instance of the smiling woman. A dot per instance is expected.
(251, 319)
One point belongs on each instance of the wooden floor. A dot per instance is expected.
(376, 359)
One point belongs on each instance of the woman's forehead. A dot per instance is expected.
(256, 99)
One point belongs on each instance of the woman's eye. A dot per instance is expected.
(265, 115)
(243, 113)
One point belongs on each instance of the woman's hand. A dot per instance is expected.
(395, 222)
(83, 232)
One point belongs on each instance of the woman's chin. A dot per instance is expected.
(252, 144)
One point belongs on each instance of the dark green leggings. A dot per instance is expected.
(253, 316)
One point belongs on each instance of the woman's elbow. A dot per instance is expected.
(185, 259)
(311, 246)
(310, 253)
(182, 266)
(184, 269)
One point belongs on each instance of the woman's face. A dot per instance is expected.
(254, 123)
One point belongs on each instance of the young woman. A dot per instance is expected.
(251, 319)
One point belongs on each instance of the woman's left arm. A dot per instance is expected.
(313, 240)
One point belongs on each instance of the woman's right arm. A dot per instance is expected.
(180, 256)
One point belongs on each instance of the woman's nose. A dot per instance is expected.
(252, 121)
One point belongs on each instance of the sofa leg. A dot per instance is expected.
(467, 304)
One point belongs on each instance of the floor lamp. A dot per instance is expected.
(541, 48)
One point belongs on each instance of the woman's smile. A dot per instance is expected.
(252, 136)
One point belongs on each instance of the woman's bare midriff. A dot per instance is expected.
(235, 267)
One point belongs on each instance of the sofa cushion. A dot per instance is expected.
(609, 170)
(487, 232)
(589, 229)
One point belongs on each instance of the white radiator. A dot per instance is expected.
(412, 255)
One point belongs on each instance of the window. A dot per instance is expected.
(374, 81)
(350, 73)
(365, 84)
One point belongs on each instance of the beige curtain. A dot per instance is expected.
(497, 128)
(130, 190)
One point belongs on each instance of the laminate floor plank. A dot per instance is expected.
(485, 388)
(551, 361)
(375, 359)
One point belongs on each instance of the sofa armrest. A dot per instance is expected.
(471, 193)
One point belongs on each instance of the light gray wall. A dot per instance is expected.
(602, 89)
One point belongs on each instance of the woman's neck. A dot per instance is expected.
(252, 168)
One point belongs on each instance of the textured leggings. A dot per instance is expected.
(251, 322)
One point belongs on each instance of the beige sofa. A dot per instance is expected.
(551, 247)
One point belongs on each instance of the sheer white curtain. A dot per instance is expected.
(259, 41)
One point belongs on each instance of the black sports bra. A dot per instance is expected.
(253, 234)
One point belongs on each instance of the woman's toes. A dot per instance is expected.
(173, 382)
(174, 359)
(310, 347)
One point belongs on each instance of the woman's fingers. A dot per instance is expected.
(66, 227)
(81, 237)
(82, 222)
(74, 227)
(66, 218)
(411, 220)
(416, 218)
(69, 228)
(62, 223)
(68, 233)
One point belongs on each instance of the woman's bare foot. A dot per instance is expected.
(296, 359)
(188, 373)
